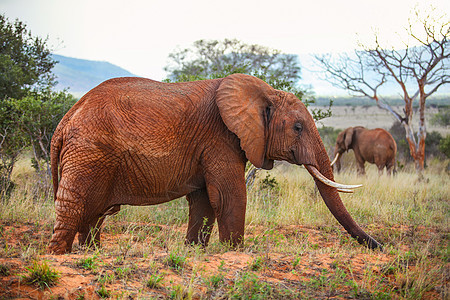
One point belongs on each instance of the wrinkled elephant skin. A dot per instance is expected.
(134, 141)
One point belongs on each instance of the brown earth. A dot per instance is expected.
(325, 265)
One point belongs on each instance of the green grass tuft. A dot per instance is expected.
(41, 275)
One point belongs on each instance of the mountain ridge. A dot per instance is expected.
(81, 75)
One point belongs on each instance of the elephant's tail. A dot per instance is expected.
(55, 150)
(57, 143)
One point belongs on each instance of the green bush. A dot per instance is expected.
(442, 118)
(432, 143)
(444, 146)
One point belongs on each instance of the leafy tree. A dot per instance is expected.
(210, 59)
(424, 67)
(38, 114)
(29, 109)
(11, 143)
(25, 61)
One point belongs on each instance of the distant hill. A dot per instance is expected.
(81, 75)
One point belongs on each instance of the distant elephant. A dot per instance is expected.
(376, 146)
(137, 141)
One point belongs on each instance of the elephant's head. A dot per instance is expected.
(343, 143)
(275, 125)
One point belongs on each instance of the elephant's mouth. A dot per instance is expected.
(344, 188)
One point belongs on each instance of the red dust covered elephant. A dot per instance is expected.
(376, 146)
(134, 141)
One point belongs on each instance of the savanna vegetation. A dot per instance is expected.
(293, 249)
(419, 69)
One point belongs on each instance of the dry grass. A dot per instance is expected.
(294, 248)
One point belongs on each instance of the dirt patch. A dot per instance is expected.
(281, 263)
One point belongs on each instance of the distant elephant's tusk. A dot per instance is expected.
(335, 158)
(341, 187)
(345, 190)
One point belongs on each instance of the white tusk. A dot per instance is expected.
(335, 158)
(342, 187)
(345, 190)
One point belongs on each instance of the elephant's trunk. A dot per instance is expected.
(334, 203)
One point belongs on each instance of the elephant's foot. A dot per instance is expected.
(61, 242)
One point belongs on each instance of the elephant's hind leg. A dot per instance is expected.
(201, 218)
(380, 169)
(89, 235)
(390, 168)
(69, 210)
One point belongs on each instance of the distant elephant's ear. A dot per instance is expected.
(242, 101)
(348, 137)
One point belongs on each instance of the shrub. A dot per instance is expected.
(442, 118)
(432, 144)
(41, 275)
(444, 146)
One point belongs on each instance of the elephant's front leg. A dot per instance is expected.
(229, 203)
(201, 218)
(360, 165)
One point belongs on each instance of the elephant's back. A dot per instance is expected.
(379, 142)
(384, 135)
(138, 117)
(120, 105)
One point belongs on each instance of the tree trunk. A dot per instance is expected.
(416, 149)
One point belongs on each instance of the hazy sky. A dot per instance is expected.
(138, 35)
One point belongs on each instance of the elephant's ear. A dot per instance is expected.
(242, 102)
(348, 137)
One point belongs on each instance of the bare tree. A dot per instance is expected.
(419, 69)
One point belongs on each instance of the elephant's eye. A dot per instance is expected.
(298, 128)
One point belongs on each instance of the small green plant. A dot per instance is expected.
(214, 281)
(249, 286)
(102, 292)
(176, 262)
(257, 263)
(80, 296)
(154, 281)
(296, 261)
(123, 273)
(41, 275)
(89, 263)
(179, 292)
(269, 183)
(106, 278)
(4, 270)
